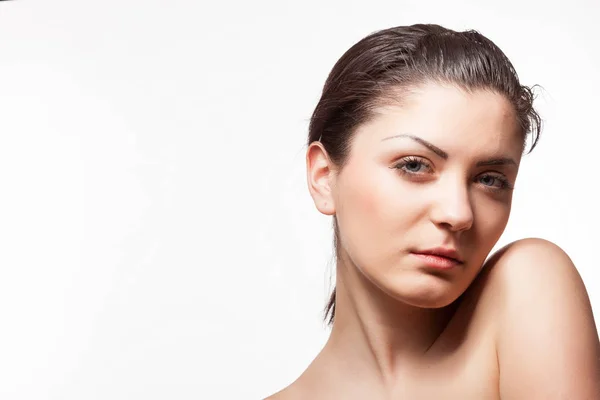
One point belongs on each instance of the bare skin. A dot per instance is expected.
(520, 327)
(468, 357)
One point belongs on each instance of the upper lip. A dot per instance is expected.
(447, 252)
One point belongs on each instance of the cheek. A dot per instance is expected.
(377, 210)
(491, 219)
(377, 203)
(360, 214)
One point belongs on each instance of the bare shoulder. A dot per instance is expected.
(529, 268)
(528, 256)
(547, 342)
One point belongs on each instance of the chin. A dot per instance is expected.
(435, 293)
(430, 301)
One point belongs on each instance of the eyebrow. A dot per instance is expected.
(442, 154)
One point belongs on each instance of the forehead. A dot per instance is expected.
(458, 121)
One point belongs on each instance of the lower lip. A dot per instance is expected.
(438, 262)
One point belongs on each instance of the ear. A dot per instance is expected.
(320, 175)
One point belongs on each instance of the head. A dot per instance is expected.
(415, 144)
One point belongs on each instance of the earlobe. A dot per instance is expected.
(320, 176)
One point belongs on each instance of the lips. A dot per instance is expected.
(439, 258)
(442, 252)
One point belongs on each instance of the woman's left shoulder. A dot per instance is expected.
(532, 264)
(547, 342)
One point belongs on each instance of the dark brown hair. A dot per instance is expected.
(383, 66)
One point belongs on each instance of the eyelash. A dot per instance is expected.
(409, 160)
(504, 183)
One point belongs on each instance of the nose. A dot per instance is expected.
(453, 209)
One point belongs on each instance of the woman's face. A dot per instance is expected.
(436, 173)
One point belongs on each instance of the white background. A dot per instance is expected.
(157, 239)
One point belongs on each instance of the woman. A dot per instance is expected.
(414, 149)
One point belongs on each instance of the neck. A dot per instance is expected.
(374, 335)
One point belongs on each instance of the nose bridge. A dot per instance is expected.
(454, 206)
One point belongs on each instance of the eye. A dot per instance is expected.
(413, 165)
(494, 181)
